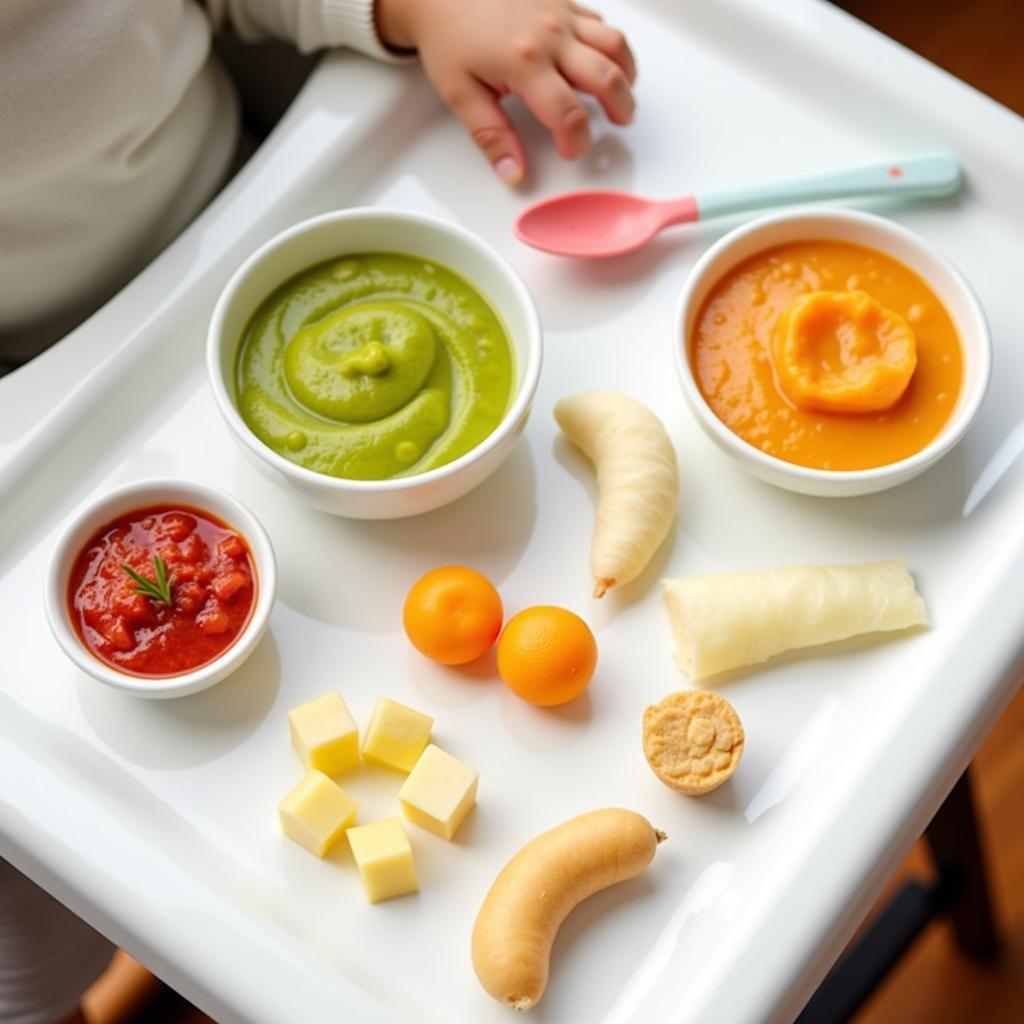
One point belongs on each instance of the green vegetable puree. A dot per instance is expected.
(374, 366)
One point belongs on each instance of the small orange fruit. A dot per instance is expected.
(546, 655)
(452, 615)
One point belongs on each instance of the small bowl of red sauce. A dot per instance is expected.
(162, 588)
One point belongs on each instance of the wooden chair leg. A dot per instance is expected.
(954, 837)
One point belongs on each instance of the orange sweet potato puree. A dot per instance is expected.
(732, 345)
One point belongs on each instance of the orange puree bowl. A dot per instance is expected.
(872, 232)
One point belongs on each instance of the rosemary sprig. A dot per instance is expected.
(159, 589)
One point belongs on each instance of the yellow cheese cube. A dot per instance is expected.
(396, 734)
(439, 792)
(384, 858)
(325, 734)
(316, 813)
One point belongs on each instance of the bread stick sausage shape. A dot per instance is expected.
(540, 885)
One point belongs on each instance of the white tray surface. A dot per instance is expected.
(157, 819)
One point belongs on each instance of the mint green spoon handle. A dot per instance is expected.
(933, 175)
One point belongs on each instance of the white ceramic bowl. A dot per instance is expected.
(863, 229)
(332, 235)
(120, 502)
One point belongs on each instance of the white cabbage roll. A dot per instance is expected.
(726, 620)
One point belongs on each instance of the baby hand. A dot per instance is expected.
(476, 51)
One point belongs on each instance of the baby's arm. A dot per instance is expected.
(476, 51)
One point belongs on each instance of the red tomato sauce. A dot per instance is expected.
(212, 587)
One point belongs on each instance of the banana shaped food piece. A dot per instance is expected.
(637, 480)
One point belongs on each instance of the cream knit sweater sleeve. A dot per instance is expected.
(310, 24)
(116, 127)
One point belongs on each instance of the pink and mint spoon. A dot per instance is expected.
(598, 224)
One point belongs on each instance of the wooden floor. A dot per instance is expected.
(982, 42)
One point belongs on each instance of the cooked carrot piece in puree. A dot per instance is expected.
(842, 352)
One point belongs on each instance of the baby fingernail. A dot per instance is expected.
(508, 170)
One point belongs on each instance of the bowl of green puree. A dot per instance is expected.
(376, 362)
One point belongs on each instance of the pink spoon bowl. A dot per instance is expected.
(599, 224)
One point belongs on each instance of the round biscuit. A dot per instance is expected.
(693, 740)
